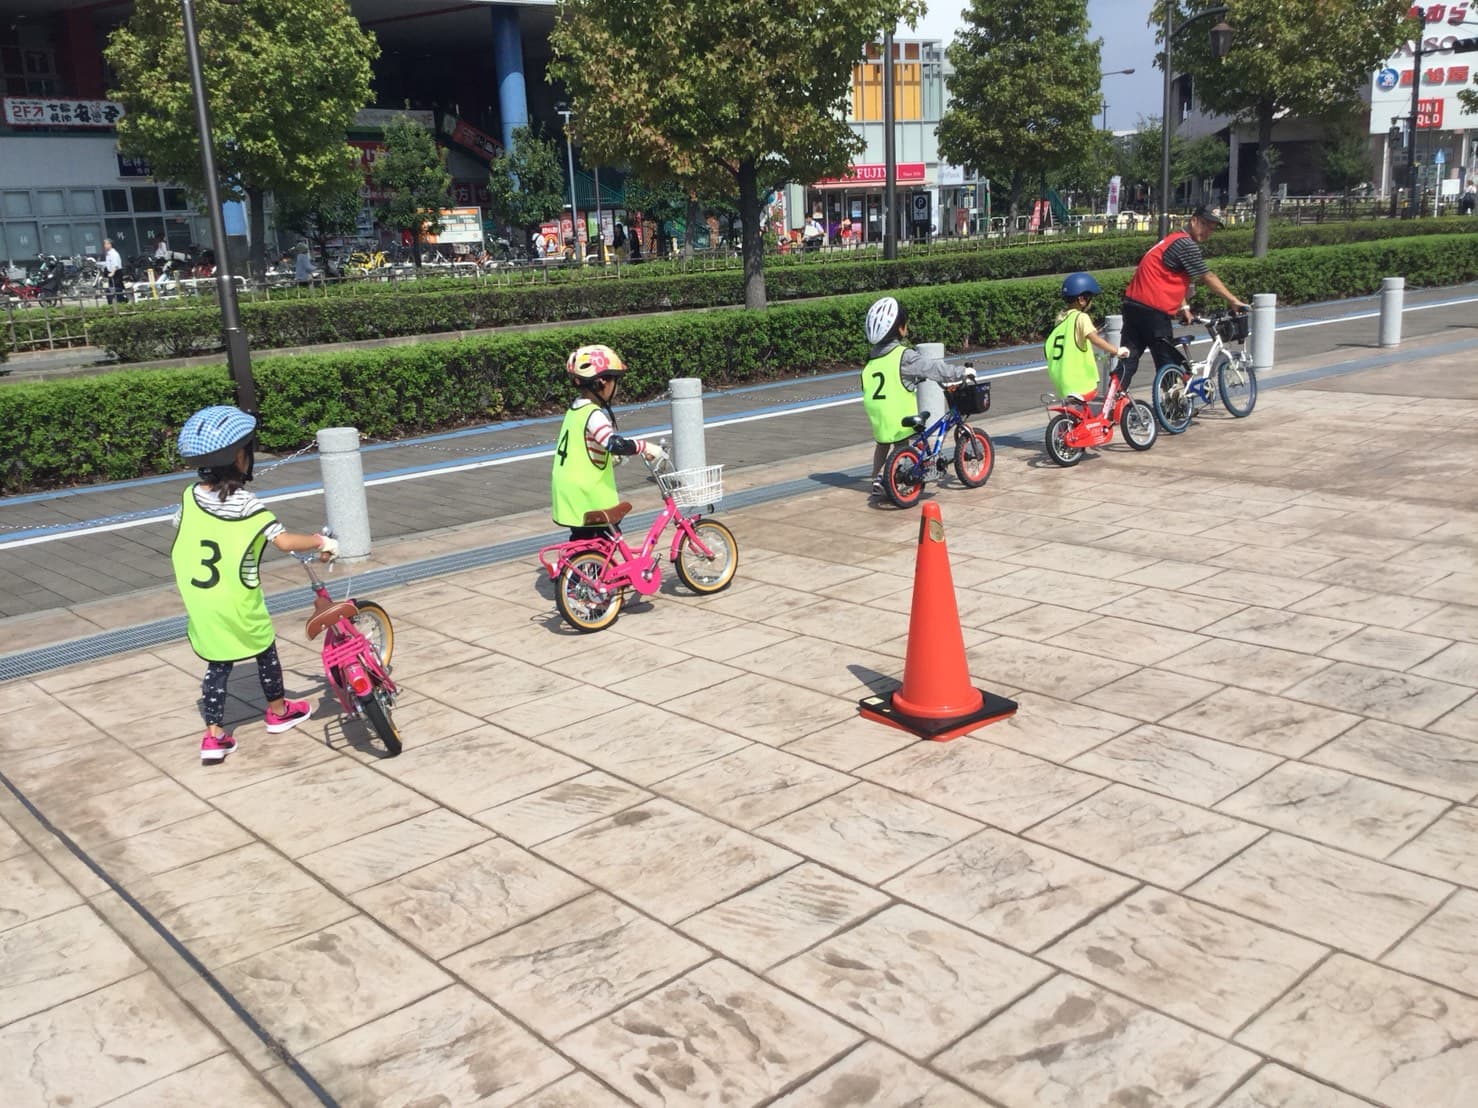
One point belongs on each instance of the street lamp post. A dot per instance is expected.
(890, 154)
(1221, 41)
(1112, 73)
(1413, 202)
(238, 357)
(570, 154)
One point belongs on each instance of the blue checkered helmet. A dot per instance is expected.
(211, 436)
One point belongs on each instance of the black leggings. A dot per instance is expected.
(1146, 329)
(213, 688)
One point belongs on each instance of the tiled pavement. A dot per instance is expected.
(1226, 853)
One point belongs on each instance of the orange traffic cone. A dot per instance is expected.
(937, 700)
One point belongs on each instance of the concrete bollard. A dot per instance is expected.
(688, 450)
(1264, 320)
(343, 491)
(1113, 333)
(930, 393)
(1392, 298)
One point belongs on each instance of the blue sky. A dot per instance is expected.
(1128, 43)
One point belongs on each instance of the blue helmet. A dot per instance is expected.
(1075, 285)
(211, 436)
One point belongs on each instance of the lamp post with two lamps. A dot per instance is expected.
(1112, 73)
(238, 358)
(565, 112)
(1221, 42)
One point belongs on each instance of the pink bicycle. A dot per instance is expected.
(358, 639)
(592, 575)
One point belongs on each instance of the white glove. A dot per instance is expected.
(329, 545)
(969, 372)
(654, 453)
(1123, 352)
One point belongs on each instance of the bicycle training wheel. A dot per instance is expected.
(903, 477)
(705, 574)
(1057, 445)
(583, 603)
(975, 457)
(1236, 381)
(1173, 402)
(373, 622)
(376, 708)
(1138, 425)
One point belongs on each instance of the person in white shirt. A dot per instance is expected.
(113, 267)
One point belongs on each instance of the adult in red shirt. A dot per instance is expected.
(1160, 290)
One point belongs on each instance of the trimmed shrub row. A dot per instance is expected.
(455, 306)
(124, 424)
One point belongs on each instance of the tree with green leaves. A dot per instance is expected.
(1200, 159)
(1272, 70)
(726, 97)
(321, 216)
(412, 171)
(283, 78)
(526, 185)
(1024, 91)
(1346, 155)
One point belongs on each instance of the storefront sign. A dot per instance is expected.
(468, 193)
(876, 174)
(470, 138)
(458, 225)
(73, 114)
(1429, 114)
(132, 166)
(1443, 74)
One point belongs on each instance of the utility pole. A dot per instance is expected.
(890, 154)
(1413, 196)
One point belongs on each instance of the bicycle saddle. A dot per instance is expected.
(1184, 340)
(608, 517)
(917, 422)
(328, 615)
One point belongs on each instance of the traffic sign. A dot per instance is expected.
(1440, 158)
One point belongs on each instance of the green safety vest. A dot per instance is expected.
(887, 401)
(1073, 370)
(215, 566)
(577, 485)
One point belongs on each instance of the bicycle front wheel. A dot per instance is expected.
(903, 477)
(373, 622)
(1172, 399)
(584, 603)
(706, 574)
(1138, 425)
(376, 709)
(975, 457)
(1236, 381)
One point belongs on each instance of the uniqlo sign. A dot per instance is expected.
(1429, 114)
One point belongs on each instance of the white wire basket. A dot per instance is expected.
(693, 488)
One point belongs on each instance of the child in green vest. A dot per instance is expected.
(1069, 346)
(892, 373)
(222, 530)
(584, 476)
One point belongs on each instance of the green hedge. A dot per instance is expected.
(123, 424)
(453, 305)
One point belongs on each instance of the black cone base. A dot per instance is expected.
(881, 708)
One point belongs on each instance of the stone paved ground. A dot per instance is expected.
(1224, 854)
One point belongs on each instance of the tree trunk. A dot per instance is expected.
(416, 249)
(1264, 180)
(257, 213)
(750, 203)
(690, 228)
(1013, 203)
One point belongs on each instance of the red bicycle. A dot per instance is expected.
(358, 639)
(1077, 426)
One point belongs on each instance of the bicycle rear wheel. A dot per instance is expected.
(704, 574)
(1236, 381)
(903, 477)
(581, 599)
(1058, 448)
(1172, 399)
(376, 709)
(373, 622)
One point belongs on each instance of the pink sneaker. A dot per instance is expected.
(213, 749)
(294, 712)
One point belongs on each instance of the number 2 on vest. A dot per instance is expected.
(877, 393)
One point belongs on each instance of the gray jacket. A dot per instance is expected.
(916, 367)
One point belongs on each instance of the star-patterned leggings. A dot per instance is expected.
(213, 688)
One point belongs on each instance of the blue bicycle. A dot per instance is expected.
(920, 457)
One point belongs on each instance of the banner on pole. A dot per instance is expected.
(1112, 207)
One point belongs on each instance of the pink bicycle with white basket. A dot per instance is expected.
(592, 576)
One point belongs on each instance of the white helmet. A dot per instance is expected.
(882, 317)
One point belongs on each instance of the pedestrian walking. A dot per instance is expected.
(113, 267)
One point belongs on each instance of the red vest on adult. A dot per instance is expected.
(1156, 285)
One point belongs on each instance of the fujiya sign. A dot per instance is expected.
(876, 174)
(1443, 75)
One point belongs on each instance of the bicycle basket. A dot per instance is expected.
(693, 488)
(970, 399)
(1234, 328)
